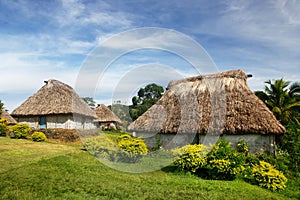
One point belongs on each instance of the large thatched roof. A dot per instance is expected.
(9, 119)
(104, 114)
(54, 98)
(204, 103)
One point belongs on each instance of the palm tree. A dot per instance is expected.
(282, 100)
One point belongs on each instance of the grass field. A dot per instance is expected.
(31, 170)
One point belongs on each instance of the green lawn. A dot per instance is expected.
(31, 170)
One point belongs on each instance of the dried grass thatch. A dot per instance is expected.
(9, 119)
(54, 98)
(206, 103)
(104, 114)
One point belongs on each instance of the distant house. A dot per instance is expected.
(9, 119)
(55, 105)
(106, 117)
(200, 106)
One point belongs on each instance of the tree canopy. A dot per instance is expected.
(283, 99)
(1, 107)
(90, 101)
(146, 97)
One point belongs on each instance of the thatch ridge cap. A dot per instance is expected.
(236, 74)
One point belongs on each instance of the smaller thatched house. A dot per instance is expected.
(55, 105)
(10, 120)
(106, 117)
(197, 108)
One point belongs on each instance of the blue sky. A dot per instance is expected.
(40, 40)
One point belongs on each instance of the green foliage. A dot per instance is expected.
(102, 147)
(191, 157)
(3, 127)
(122, 149)
(38, 136)
(1, 107)
(90, 101)
(291, 143)
(242, 146)
(20, 131)
(122, 111)
(224, 162)
(147, 96)
(284, 102)
(132, 148)
(266, 176)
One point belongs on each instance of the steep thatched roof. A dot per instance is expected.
(9, 119)
(54, 98)
(104, 114)
(205, 103)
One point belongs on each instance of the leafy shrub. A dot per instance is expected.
(3, 127)
(38, 137)
(102, 147)
(266, 157)
(291, 143)
(224, 162)
(266, 176)
(191, 157)
(20, 131)
(124, 149)
(242, 146)
(132, 148)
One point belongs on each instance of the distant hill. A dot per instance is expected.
(122, 111)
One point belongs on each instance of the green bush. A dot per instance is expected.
(123, 149)
(190, 157)
(3, 127)
(242, 146)
(102, 147)
(20, 131)
(291, 143)
(132, 149)
(266, 176)
(38, 137)
(224, 162)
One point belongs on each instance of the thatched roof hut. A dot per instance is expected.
(54, 98)
(60, 104)
(202, 103)
(104, 114)
(9, 119)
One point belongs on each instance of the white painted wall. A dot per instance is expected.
(61, 121)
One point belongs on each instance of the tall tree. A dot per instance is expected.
(146, 97)
(1, 107)
(90, 101)
(282, 100)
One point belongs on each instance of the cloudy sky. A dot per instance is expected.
(40, 40)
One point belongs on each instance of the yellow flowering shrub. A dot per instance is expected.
(132, 149)
(266, 176)
(123, 149)
(3, 127)
(38, 137)
(20, 131)
(190, 157)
